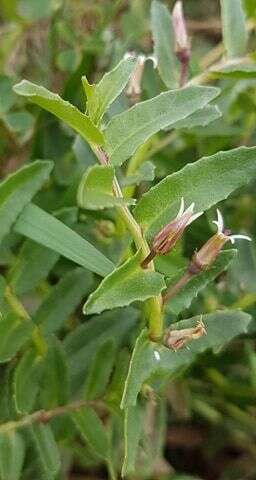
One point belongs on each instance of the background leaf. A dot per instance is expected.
(92, 431)
(26, 382)
(47, 453)
(12, 453)
(132, 433)
(18, 189)
(14, 333)
(233, 27)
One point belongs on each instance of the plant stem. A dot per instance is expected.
(44, 416)
(154, 304)
(18, 308)
(174, 289)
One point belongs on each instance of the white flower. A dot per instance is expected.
(224, 233)
(134, 85)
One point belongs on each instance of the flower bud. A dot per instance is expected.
(134, 85)
(180, 31)
(176, 339)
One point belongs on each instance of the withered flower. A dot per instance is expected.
(211, 249)
(176, 339)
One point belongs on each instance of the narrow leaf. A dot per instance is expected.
(205, 182)
(164, 44)
(233, 27)
(133, 423)
(127, 131)
(197, 283)
(47, 453)
(62, 300)
(18, 189)
(66, 112)
(12, 453)
(221, 328)
(26, 382)
(100, 371)
(14, 332)
(92, 431)
(101, 95)
(45, 229)
(125, 285)
(95, 190)
(55, 381)
(201, 118)
(236, 70)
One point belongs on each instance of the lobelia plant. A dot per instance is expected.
(103, 377)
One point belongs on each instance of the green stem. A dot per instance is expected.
(154, 304)
(18, 308)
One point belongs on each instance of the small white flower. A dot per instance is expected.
(189, 211)
(221, 230)
(134, 85)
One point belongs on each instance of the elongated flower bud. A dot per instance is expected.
(207, 255)
(167, 238)
(134, 85)
(183, 50)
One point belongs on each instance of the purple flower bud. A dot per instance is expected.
(180, 30)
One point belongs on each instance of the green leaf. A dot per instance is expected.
(236, 70)
(233, 28)
(242, 273)
(164, 44)
(47, 230)
(85, 340)
(62, 300)
(145, 173)
(115, 390)
(101, 95)
(196, 283)
(125, 285)
(66, 112)
(133, 423)
(7, 97)
(221, 328)
(47, 453)
(18, 189)
(95, 191)
(55, 382)
(100, 370)
(12, 454)
(201, 118)
(14, 333)
(130, 129)
(26, 382)
(205, 182)
(92, 431)
(21, 124)
(34, 262)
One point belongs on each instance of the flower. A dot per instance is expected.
(166, 239)
(176, 339)
(180, 31)
(211, 249)
(134, 85)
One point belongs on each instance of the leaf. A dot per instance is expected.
(18, 189)
(233, 28)
(12, 454)
(7, 97)
(62, 300)
(92, 431)
(185, 296)
(164, 44)
(45, 229)
(205, 182)
(235, 71)
(83, 342)
(128, 130)
(95, 190)
(127, 284)
(115, 390)
(26, 382)
(55, 384)
(242, 273)
(66, 112)
(47, 453)
(133, 423)
(100, 370)
(201, 118)
(14, 333)
(101, 95)
(221, 328)
(145, 173)
(21, 124)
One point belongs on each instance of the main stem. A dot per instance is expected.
(154, 304)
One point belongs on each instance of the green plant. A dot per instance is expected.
(101, 229)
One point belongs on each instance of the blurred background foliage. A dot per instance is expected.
(210, 423)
